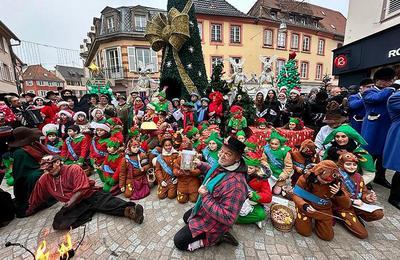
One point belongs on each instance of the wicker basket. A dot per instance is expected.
(283, 227)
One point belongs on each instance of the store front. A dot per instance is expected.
(360, 59)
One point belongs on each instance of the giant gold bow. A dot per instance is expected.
(173, 30)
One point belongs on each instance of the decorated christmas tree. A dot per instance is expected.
(289, 77)
(217, 83)
(247, 103)
(177, 34)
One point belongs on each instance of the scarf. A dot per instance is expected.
(36, 150)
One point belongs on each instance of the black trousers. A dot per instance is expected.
(395, 190)
(84, 210)
(380, 171)
(184, 238)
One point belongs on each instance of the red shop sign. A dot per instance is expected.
(340, 61)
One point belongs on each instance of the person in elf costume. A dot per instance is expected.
(193, 134)
(241, 136)
(202, 111)
(167, 182)
(216, 107)
(252, 144)
(116, 128)
(302, 157)
(98, 116)
(163, 103)
(214, 144)
(237, 121)
(76, 146)
(359, 194)
(52, 141)
(133, 180)
(111, 166)
(259, 191)
(295, 124)
(98, 146)
(314, 195)
(135, 111)
(261, 123)
(189, 117)
(81, 120)
(346, 139)
(64, 120)
(279, 159)
(188, 180)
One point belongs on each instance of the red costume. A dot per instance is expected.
(80, 146)
(216, 104)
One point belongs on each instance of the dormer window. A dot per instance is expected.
(291, 18)
(303, 21)
(273, 15)
(110, 24)
(316, 23)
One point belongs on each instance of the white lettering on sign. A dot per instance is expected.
(394, 53)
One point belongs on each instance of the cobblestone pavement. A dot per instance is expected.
(109, 237)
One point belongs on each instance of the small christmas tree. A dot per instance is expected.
(289, 77)
(247, 103)
(217, 83)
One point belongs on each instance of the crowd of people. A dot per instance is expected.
(325, 151)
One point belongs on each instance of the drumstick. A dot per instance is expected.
(326, 214)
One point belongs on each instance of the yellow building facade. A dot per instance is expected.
(253, 44)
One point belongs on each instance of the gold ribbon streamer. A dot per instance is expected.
(173, 30)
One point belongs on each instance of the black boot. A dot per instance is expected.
(380, 173)
(394, 197)
(228, 238)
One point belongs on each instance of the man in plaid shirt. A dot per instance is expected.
(222, 195)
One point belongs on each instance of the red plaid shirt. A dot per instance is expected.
(220, 209)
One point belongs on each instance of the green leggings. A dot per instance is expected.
(258, 214)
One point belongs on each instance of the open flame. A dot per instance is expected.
(64, 249)
(41, 252)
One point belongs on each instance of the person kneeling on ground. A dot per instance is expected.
(70, 185)
(221, 197)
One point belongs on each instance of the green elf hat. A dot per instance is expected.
(191, 131)
(133, 132)
(251, 143)
(349, 131)
(294, 120)
(113, 121)
(215, 137)
(162, 94)
(113, 142)
(203, 126)
(276, 135)
(252, 161)
(241, 133)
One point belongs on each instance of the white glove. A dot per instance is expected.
(164, 184)
(174, 181)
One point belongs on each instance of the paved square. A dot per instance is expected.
(109, 237)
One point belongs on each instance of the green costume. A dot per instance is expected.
(237, 124)
(276, 157)
(366, 161)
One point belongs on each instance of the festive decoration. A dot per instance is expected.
(217, 83)
(174, 35)
(247, 103)
(289, 76)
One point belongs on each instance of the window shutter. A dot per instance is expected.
(104, 59)
(132, 58)
(154, 60)
(119, 57)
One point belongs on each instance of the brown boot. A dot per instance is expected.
(135, 213)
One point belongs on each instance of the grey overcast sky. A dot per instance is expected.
(65, 23)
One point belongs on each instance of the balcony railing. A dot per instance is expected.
(114, 73)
